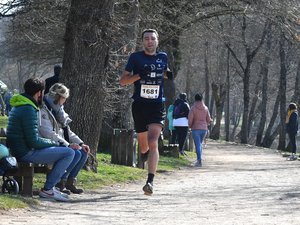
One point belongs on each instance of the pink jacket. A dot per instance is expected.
(199, 116)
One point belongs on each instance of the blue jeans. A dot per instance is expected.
(198, 136)
(59, 157)
(76, 164)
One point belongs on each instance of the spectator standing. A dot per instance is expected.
(26, 144)
(199, 119)
(54, 79)
(292, 128)
(7, 97)
(147, 70)
(172, 130)
(180, 120)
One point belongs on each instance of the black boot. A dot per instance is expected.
(70, 185)
(61, 187)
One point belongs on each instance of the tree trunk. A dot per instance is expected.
(296, 95)
(246, 79)
(87, 41)
(253, 108)
(282, 92)
(246, 74)
(227, 114)
(267, 141)
(264, 71)
(206, 74)
(235, 122)
(219, 95)
(118, 109)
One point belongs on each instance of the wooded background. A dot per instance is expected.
(243, 55)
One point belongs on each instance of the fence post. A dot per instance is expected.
(122, 147)
(191, 142)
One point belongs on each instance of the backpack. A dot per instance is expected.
(177, 111)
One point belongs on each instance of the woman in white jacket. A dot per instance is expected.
(55, 125)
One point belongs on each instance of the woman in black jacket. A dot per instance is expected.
(292, 128)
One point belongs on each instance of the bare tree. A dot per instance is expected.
(87, 41)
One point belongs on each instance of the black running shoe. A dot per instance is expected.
(182, 153)
(148, 189)
(144, 156)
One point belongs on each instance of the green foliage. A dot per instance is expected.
(3, 121)
(15, 201)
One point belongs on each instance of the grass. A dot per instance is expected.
(108, 174)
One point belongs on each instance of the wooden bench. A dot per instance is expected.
(24, 176)
(171, 150)
(25, 172)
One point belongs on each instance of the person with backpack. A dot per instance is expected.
(180, 120)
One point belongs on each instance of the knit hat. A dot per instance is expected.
(59, 89)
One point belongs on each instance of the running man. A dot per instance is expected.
(147, 69)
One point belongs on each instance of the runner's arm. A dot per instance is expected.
(127, 78)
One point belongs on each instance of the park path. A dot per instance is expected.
(237, 184)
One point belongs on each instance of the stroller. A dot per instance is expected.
(8, 163)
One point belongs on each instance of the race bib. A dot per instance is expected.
(150, 91)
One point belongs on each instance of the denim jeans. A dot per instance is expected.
(59, 157)
(76, 164)
(198, 136)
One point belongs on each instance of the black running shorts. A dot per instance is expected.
(147, 113)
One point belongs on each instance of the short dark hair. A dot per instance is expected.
(182, 96)
(198, 97)
(33, 85)
(149, 31)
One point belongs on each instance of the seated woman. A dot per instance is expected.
(55, 125)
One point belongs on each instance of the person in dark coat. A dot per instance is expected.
(292, 128)
(180, 120)
(52, 80)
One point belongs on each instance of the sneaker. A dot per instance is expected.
(291, 158)
(198, 163)
(148, 189)
(53, 194)
(144, 156)
(64, 192)
(182, 153)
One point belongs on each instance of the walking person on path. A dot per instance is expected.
(26, 145)
(147, 70)
(180, 120)
(199, 119)
(291, 122)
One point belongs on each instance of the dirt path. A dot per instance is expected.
(237, 185)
